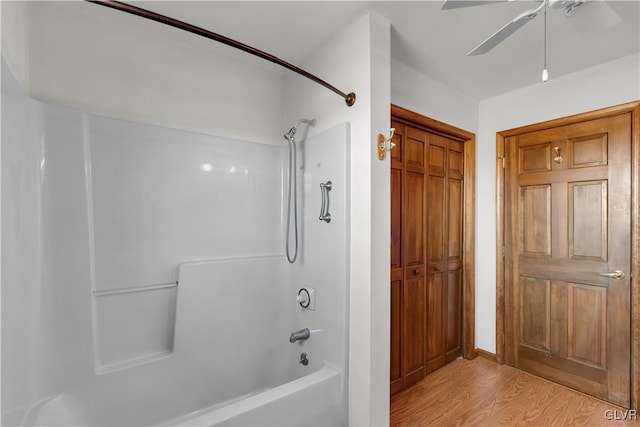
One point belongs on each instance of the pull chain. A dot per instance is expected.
(545, 73)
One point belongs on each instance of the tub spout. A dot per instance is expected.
(300, 335)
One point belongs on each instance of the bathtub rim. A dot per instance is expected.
(221, 412)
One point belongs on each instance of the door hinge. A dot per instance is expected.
(501, 159)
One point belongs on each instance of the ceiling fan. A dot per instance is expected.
(518, 22)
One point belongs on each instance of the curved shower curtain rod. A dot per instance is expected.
(350, 98)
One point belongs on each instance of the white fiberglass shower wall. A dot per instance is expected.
(147, 282)
(163, 288)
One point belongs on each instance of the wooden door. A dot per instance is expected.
(444, 250)
(567, 226)
(408, 289)
(414, 311)
(426, 252)
(397, 271)
(408, 313)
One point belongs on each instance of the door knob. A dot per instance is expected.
(615, 274)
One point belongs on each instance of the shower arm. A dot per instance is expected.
(350, 98)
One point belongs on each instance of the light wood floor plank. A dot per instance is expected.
(483, 393)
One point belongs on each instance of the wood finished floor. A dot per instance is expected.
(483, 393)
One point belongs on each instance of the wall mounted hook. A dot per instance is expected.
(384, 144)
(558, 157)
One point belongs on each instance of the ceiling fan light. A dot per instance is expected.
(545, 75)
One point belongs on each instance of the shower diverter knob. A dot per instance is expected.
(306, 297)
(303, 298)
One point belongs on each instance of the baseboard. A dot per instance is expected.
(487, 355)
(470, 355)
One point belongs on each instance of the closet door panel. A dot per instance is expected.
(397, 381)
(396, 218)
(453, 304)
(435, 356)
(413, 220)
(436, 220)
(414, 321)
(454, 217)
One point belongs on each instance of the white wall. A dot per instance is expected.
(357, 59)
(422, 94)
(605, 85)
(148, 72)
(380, 187)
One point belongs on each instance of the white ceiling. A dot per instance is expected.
(428, 40)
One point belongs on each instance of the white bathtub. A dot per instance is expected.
(217, 373)
(313, 400)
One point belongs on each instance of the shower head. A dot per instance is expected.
(289, 135)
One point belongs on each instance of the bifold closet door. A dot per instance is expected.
(426, 253)
(414, 310)
(444, 250)
(397, 273)
(408, 291)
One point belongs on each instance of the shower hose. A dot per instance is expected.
(292, 183)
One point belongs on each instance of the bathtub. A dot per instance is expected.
(217, 371)
(313, 400)
(309, 395)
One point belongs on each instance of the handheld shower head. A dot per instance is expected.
(292, 196)
(289, 135)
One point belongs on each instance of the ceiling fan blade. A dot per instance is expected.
(457, 4)
(504, 32)
(596, 15)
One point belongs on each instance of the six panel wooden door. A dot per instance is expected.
(567, 255)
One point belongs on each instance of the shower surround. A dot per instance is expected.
(147, 282)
